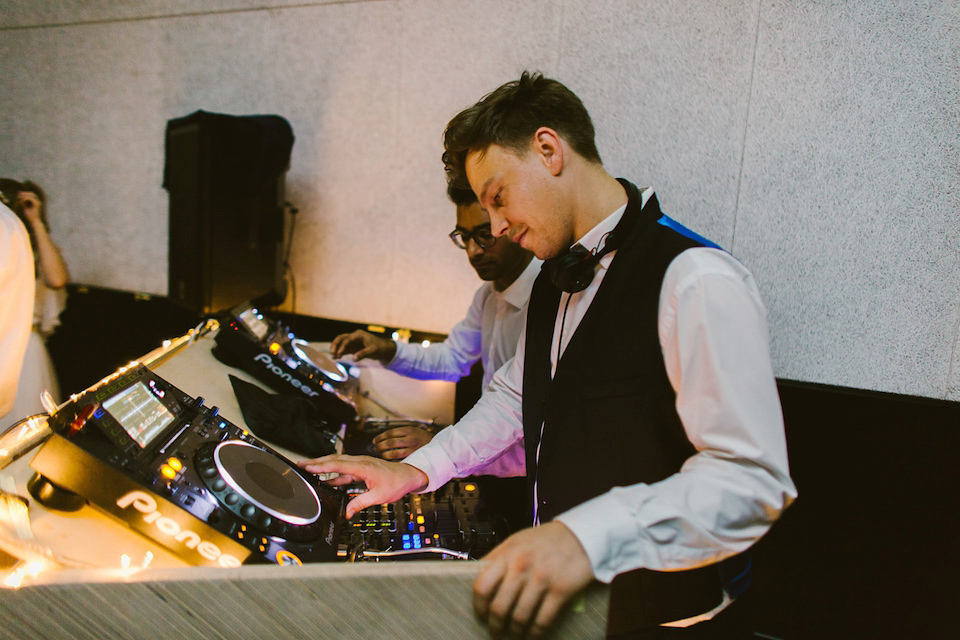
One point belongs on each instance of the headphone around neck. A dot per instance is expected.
(573, 270)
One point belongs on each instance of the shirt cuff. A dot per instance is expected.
(439, 470)
(602, 526)
(397, 359)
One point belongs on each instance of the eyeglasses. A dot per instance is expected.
(482, 236)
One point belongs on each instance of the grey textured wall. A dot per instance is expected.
(818, 140)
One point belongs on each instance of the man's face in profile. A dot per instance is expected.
(491, 263)
(520, 198)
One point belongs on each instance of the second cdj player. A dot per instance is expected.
(271, 353)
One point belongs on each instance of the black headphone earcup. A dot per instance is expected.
(572, 271)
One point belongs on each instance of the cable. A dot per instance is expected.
(287, 268)
(459, 555)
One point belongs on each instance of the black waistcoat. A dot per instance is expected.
(609, 416)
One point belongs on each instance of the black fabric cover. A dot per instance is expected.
(288, 421)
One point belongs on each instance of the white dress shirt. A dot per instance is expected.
(489, 333)
(713, 334)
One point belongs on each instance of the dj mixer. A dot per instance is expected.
(450, 523)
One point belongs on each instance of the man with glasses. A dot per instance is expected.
(489, 333)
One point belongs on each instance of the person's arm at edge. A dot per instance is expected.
(16, 303)
(53, 268)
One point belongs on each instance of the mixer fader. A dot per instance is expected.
(451, 523)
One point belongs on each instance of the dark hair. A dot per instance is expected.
(9, 188)
(462, 197)
(510, 115)
(33, 187)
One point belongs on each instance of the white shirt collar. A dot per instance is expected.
(593, 239)
(519, 290)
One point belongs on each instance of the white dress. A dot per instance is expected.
(38, 374)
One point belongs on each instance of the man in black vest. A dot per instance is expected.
(642, 389)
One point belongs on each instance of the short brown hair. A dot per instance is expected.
(510, 115)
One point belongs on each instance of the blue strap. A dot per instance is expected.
(670, 223)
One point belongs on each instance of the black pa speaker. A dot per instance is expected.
(225, 178)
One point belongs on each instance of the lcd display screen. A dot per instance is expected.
(139, 412)
(255, 323)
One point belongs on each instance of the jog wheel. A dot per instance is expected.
(260, 488)
(322, 362)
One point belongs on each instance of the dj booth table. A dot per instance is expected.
(82, 575)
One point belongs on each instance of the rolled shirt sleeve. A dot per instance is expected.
(451, 359)
(488, 436)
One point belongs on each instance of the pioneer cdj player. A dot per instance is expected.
(158, 460)
(162, 463)
(270, 352)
